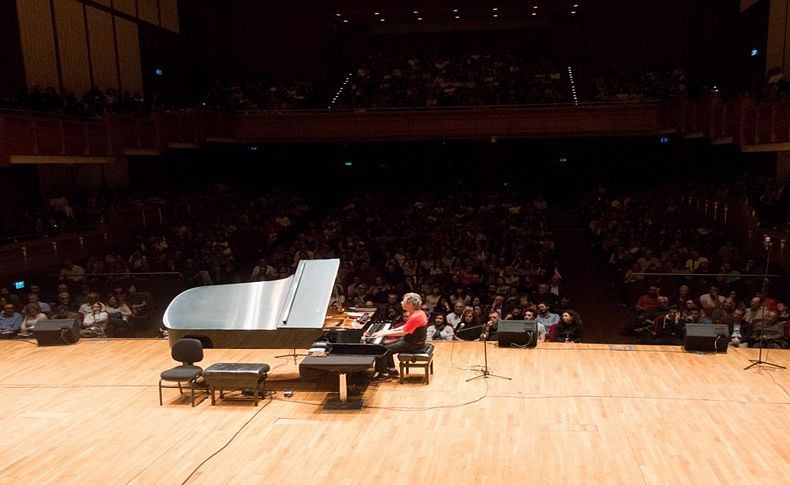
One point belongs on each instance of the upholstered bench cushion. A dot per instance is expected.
(234, 374)
(422, 356)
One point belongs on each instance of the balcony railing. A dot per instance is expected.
(741, 121)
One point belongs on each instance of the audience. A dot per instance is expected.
(10, 320)
(473, 79)
(31, 315)
(637, 85)
(650, 231)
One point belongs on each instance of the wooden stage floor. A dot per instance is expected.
(89, 413)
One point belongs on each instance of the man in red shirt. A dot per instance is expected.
(412, 334)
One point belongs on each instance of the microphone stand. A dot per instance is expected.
(485, 372)
(760, 361)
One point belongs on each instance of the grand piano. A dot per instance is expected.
(291, 313)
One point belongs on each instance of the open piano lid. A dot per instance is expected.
(287, 313)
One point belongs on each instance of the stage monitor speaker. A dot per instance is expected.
(517, 333)
(57, 332)
(706, 337)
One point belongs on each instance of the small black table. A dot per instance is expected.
(236, 376)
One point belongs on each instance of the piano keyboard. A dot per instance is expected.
(373, 328)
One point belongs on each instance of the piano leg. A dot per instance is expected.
(343, 387)
(342, 401)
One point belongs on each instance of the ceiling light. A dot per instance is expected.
(495, 15)
(376, 13)
(534, 13)
(382, 20)
(345, 21)
(458, 16)
(534, 6)
(573, 11)
(416, 11)
(419, 18)
(455, 10)
(575, 5)
(495, 9)
(337, 15)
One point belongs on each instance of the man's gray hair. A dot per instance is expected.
(414, 299)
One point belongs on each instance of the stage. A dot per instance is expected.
(572, 413)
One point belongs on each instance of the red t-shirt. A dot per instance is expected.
(416, 320)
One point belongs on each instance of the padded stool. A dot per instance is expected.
(423, 358)
(236, 376)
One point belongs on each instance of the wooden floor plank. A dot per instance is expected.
(572, 413)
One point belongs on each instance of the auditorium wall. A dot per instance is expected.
(12, 79)
(77, 44)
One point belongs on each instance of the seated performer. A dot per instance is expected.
(412, 334)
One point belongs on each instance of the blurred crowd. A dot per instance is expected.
(474, 79)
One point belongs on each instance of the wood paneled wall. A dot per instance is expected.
(105, 64)
(73, 45)
(38, 42)
(76, 44)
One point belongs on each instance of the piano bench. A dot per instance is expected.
(422, 359)
(236, 376)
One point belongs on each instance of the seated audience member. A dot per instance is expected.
(136, 301)
(30, 317)
(569, 329)
(439, 329)
(648, 301)
(711, 301)
(769, 333)
(118, 313)
(685, 309)
(95, 322)
(544, 295)
(546, 318)
(390, 310)
(62, 312)
(529, 315)
(10, 297)
(263, 271)
(680, 298)
(32, 299)
(91, 299)
(64, 299)
(756, 311)
(670, 329)
(454, 318)
(72, 273)
(491, 326)
(694, 315)
(647, 319)
(469, 328)
(432, 299)
(10, 320)
(740, 330)
(724, 312)
(442, 306)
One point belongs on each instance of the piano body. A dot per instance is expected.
(291, 313)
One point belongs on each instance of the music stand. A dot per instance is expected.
(768, 244)
(485, 372)
(292, 354)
